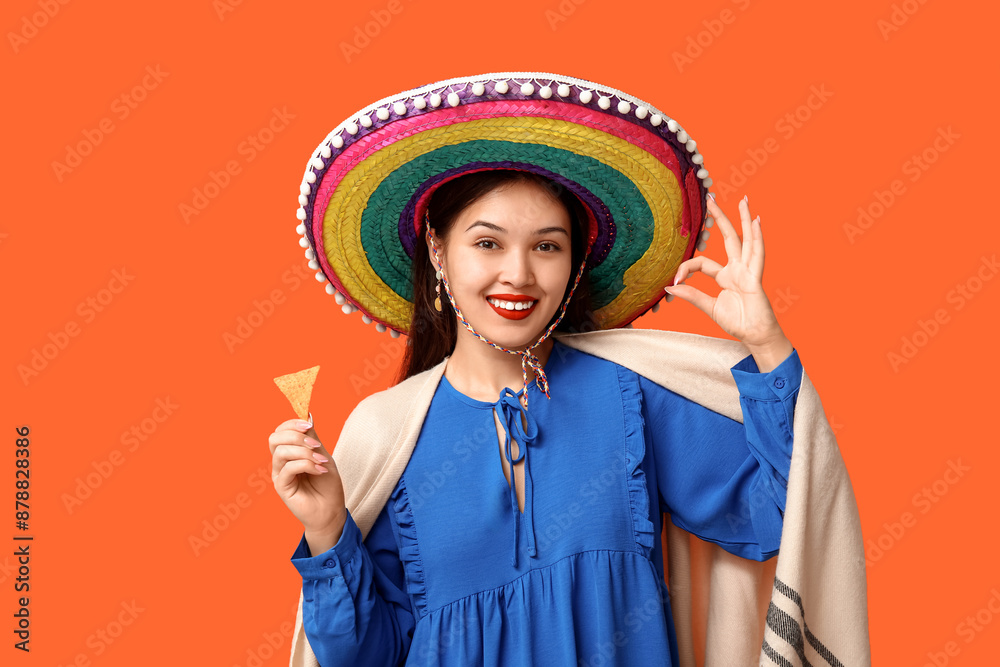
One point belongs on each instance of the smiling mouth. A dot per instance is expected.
(512, 310)
(512, 305)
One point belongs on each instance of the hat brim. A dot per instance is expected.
(637, 173)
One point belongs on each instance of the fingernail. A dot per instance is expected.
(321, 468)
(746, 199)
(667, 290)
(320, 458)
(305, 425)
(310, 442)
(712, 196)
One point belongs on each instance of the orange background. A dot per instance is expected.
(846, 304)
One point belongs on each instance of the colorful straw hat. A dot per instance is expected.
(637, 172)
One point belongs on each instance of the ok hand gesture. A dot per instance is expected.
(741, 309)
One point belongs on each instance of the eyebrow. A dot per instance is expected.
(497, 228)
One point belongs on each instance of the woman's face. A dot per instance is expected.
(511, 246)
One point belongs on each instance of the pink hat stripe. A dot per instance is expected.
(383, 137)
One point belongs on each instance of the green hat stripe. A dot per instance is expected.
(631, 213)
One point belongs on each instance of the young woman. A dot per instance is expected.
(525, 526)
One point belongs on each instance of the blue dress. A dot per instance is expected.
(452, 573)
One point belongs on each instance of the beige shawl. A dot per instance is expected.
(807, 606)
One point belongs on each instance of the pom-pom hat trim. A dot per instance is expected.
(640, 177)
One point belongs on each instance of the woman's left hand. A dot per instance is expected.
(741, 309)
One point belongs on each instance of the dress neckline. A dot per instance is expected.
(532, 386)
(450, 388)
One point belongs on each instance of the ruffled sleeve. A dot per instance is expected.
(717, 478)
(354, 609)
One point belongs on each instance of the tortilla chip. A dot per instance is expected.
(297, 388)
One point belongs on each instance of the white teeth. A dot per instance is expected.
(511, 305)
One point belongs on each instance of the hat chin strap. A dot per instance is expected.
(528, 359)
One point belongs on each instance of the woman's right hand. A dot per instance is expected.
(315, 497)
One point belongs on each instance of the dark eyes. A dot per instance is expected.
(552, 247)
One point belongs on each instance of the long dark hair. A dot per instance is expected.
(433, 334)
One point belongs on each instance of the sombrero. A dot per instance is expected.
(637, 173)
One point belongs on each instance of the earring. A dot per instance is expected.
(437, 299)
(437, 274)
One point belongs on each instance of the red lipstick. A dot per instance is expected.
(512, 314)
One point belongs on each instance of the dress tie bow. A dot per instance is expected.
(511, 413)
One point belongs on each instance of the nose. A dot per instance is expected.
(517, 270)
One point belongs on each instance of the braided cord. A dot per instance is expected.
(528, 359)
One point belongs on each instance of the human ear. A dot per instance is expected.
(430, 251)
